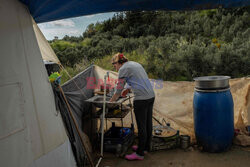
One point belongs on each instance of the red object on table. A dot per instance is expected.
(124, 92)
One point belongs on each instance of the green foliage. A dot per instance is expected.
(170, 45)
(86, 42)
(69, 72)
(61, 45)
(64, 73)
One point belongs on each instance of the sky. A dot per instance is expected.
(71, 27)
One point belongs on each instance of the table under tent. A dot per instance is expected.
(32, 133)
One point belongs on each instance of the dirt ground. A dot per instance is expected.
(236, 157)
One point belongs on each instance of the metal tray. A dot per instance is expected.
(98, 101)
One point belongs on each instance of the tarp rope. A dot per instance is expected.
(62, 68)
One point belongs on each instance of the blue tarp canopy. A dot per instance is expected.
(49, 10)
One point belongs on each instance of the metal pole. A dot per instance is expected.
(103, 114)
(103, 117)
(99, 161)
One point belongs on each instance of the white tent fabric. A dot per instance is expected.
(47, 52)
(31, 131)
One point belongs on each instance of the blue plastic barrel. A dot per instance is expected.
(213, 114)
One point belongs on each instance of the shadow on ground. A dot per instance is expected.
(236, 157)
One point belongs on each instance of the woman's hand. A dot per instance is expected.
(125, 92)
(114, 97)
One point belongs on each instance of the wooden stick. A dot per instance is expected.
(77, 129)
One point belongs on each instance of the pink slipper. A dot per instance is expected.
(134, 156)
(135, 147)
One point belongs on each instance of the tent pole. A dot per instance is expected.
(77, 129)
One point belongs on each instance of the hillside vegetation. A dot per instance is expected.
(170, 45)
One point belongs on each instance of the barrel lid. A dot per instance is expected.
(212, 82)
